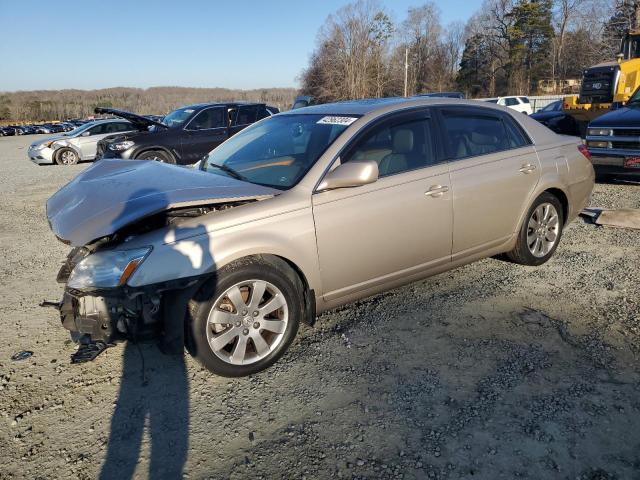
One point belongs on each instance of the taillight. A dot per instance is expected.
(585, 151)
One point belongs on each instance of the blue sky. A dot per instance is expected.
(54, 44)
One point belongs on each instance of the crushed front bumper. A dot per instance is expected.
(41, 156)
(107, 316)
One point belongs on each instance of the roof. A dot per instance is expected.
(370, 105)
(221, 104)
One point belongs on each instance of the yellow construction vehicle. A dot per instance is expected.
(607, 84)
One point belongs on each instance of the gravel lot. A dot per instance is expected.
(490, 371)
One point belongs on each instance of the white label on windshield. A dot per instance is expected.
(189, 110)
(337, 120)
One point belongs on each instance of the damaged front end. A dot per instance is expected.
(114, 227)
(99, 308)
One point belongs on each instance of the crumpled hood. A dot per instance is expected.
(112, 194)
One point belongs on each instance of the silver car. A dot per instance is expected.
(77, 145)
(302, 212)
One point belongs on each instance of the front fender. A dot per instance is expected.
(290, 236)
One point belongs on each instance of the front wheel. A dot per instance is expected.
(156, 155)
(244, 320)
(540, 233)
(66, 156)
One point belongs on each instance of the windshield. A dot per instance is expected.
(279, 151)
(78, 130)
(635, 98)
(177, 117)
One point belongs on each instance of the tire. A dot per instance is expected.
(157, 155)
(226, 343)
(540, 232)
(66, 156)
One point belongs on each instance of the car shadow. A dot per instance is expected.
(154, 388)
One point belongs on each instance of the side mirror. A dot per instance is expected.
(350, 174)
(85, 134)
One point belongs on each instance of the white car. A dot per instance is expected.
(519, 104)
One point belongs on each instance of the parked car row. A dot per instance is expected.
(58, 127)
(299, 213)
(183, 136)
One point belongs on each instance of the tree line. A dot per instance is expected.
(47, 105)
(507, 47)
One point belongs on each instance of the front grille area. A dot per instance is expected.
(626, 132)
(626, 145)
(598, 85)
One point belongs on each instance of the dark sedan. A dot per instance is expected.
(183, 136)
(554, 118)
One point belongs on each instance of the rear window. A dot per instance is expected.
(524, 99)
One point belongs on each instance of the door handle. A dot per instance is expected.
(527, 168)
(436, 190)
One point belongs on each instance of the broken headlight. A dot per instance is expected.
(107, 269)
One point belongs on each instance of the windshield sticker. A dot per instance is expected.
(331, 120)
(189, 110)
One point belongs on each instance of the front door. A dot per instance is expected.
(399, 225)
(203, 133)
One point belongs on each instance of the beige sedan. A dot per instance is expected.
(306, 211)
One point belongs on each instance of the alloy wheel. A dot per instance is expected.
(543, 230)
(247, 322)
(68, 157)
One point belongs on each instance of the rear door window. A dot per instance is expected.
(475, 133)
(511, 102)
(246, 114)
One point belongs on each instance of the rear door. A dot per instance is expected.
(494, 171)
(205, 131)
(244, 116)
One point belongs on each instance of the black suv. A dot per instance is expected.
(182, 137)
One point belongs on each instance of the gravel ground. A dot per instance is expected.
(490, 371)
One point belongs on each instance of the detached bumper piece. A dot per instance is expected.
(89, 351)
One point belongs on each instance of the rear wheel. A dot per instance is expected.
(245, 319)
(157, 155)
(540, 233)
(66, 156)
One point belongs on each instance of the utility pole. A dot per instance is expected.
(406, 69)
